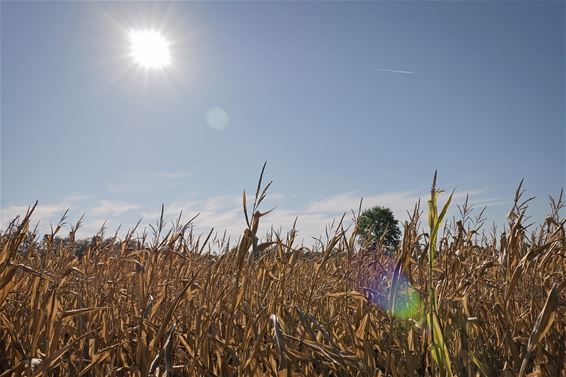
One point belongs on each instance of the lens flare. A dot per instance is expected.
(405, 303)
(217, 118)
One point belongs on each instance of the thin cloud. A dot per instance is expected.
(112, 208)
(49, 211)
(351, 200)
(96, 211)
(225, 213)
(394, 71)
(45, 212)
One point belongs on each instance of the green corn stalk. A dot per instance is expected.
(438, 347)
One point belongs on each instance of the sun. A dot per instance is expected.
(150, 49)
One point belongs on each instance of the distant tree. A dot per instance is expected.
(29, 243)
(378, 225)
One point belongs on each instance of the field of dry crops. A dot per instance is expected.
(453, 301)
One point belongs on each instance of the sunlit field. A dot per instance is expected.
(455, 299)
(138, 239)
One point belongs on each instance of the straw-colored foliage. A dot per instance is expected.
(169, 303)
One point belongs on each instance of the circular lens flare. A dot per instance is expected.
(217, 118)
(405, 303)
(149, 49)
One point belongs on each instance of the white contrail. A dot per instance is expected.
(394, 71)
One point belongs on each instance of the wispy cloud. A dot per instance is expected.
(317, 215)
(394, 71)
(225, 213)
(313, 218)
(351, 200)
(113, 208)
(44, 212)
(96, 213)
(222, 212)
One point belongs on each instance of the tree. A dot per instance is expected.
(377, 225)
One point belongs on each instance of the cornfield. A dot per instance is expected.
(454, 300)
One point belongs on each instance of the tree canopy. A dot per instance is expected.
(378, 225)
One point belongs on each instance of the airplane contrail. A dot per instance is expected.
(393, 70)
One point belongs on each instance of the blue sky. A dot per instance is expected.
(308, 87)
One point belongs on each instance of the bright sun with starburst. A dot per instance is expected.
(149, 49)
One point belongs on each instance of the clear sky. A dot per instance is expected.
(343, 99)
